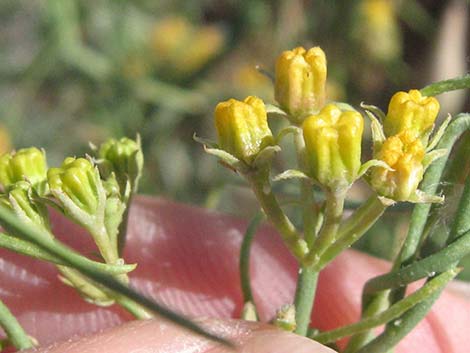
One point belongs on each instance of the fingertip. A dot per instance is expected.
(156, 336)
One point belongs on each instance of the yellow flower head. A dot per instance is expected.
(300, 80)
(333, 145)
(404, 154)
(242, 127)
(411, 112)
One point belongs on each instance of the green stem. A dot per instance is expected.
(88, 289)
(71, 259)
(461, 223)
(26, 248)
(122, 231)
(139, 311)
(395, 333)
(329, 231)
(267, 199)
(304, 298)
(452, 84)
(309, 214)
(391, 313)
(245, 260)
(378, 304)
(307, 278)
(16, 335)
(352, 229)
(102, 240)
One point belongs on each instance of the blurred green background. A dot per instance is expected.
(78, 71)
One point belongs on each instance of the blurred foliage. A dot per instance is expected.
(75, 71)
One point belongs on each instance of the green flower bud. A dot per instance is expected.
(26, 164)
(125, 158)
(333, 146)
(21, 201)
(242, 128)
(79, 181)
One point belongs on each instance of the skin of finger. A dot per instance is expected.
(188, 260)
(156, 336)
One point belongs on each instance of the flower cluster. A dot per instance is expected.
(402, 143)
(332, 132)
(92, 199)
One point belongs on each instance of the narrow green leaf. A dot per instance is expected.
(291, 174)
(452, 84)
(204, 141)
(15, 333)
(29, 249)
(438, 262)
(391, 313)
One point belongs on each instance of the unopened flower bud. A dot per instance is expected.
(333, 146)
(78, 180)
(25, 207)
(25, 164)
(125, 158)
(404, 154)
(242, 127)
(300, 81)
(411, 112)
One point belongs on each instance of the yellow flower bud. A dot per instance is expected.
(404, 154)
(27, 163)
(78, 181)
(333, 146)
(411, 112)
(242, 127)
(300, 80)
